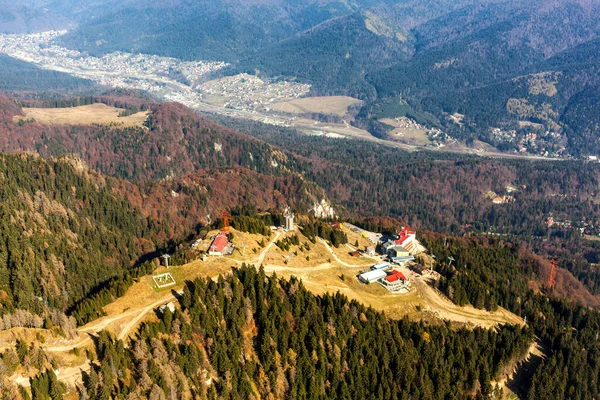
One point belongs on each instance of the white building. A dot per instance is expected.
(372, 276)
(289, 219)
(380, 266)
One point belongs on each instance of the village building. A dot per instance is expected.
(406, 239)
(370, 251)
(337, 225)
(395, 281)
(380, 266)
(372, 275)
(218, 244)
(387, 245)
(397, 251)
(420, 269)
(502, 199)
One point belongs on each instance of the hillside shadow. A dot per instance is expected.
(520, 381)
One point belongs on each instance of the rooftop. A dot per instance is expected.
(219, 243)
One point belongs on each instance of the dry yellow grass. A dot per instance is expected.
(335, 105)
(407, 135)
(323, 273)
(83, 115)
(417, 137)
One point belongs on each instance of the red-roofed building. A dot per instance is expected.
(336, 225)
(395, 281)
(396, 275)
(406, 239)
(218, 245)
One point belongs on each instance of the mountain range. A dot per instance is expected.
(87, 208)
(528, 67)
(121, 278)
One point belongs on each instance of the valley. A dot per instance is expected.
(242, 96)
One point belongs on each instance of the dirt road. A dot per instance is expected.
(320, 278)
(261, 257)
(336, 258)
(445, 309)
(70, 375)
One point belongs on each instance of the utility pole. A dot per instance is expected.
(552, 275)
(166, 258)
(450, 259)
(225, 217)
(431, 263)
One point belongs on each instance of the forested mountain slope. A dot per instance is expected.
(500, 63)
(486, 270)
(174, 141)
(336, 55)
(63, 234)
(180, 169)
(180, 205)
(440, 191)
(253, 336)
(216, 30)
(26, 16)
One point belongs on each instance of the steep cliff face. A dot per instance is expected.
(323, 209)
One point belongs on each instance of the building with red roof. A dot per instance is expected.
(406, 239)
(395, 281)
(218, 244)
(394, 276)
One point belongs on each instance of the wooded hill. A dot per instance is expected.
(64, 235)
(173, 142)
(178, 168)
(251, 336)
(487, 272)
(16, 75)
(436, 190)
